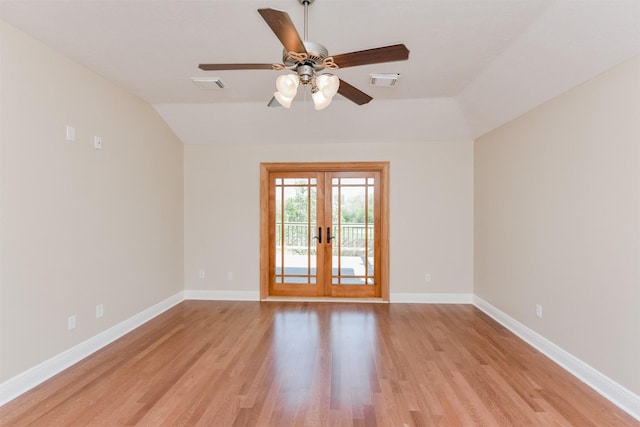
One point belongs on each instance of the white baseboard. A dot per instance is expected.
(399, 297)
(394, 297)
(222, 295)
(608, 388)
(30, 378)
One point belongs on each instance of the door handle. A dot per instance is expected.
(329, 235)
(319, 236)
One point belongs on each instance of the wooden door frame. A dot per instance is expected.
(267, 168)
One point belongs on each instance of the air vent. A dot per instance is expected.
(383, 80)
(208, 83)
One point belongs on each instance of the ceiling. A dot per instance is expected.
(473, 64)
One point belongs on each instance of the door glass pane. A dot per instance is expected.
(352, 231)
(295, 227)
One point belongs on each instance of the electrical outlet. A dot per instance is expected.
(201, 274)
(229, 275)
(427, 278)
(539, 310)
(99, 311)
(97, 142)
(72, 322)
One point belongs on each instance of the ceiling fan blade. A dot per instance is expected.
(210, 67)
(353, 94)
(281, 25)
(396, 52)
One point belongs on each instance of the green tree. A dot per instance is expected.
(352, 209)
(296, 209)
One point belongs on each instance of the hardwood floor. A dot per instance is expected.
(215, 363)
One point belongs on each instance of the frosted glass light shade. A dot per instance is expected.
(328, 84)
(287, 85)
(285, 101)
(320, 101)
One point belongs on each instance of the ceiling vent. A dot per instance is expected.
(208, 83)
(383, 80)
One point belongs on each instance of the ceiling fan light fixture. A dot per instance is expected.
(319, 100)
(306, 73)
(285, 101)
(287, 85)
(328, 84)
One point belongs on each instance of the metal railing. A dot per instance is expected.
(297, 235)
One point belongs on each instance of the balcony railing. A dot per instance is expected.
(297, 236)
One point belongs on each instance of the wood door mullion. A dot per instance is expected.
(378, 233)
(320, 248)
(326, 220)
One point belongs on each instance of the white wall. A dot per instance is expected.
(557, 221)
(79, 227)
(431, 211)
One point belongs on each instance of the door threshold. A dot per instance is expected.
(323, 299)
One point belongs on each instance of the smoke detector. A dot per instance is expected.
(383, 80)
(208, 83)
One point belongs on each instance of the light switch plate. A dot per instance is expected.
(72, 322)
(71, 133)
(99, 311)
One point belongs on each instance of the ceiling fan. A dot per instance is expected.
(307, 59)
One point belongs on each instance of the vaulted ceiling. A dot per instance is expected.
(473, 64)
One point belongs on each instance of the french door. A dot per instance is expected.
(324, 231)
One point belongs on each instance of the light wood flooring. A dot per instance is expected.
(214, 363)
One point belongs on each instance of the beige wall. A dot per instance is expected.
(431, 204)
(79, 227)
(557, 221)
